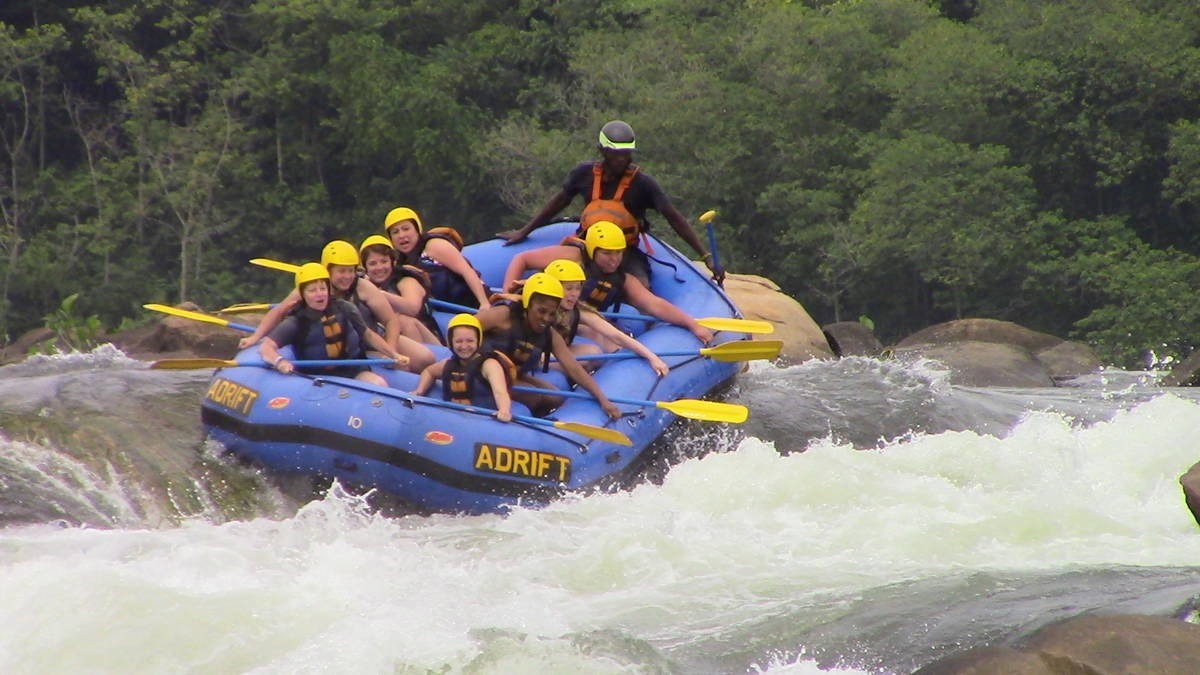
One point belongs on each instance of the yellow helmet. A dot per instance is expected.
(565, 270)
(402, 213)
(311, 272)
(339, 253)
(605, 235)
(541, 284)
(464, 320)
(374, 240)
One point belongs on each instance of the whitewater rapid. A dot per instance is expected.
(809, 549)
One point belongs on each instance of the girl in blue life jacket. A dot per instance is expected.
(405, 287)
(323, 327)
(471, 376)
(340, 260)
(438, 252)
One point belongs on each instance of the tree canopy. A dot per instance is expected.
(915, 162)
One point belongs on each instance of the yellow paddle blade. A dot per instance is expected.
(245, 307)
(598, 433)
(737, 325)
(192, 364)
(744, 350)
(187, 314)
(707, 216)
(275, 265)
(707, 411)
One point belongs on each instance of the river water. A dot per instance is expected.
(868, 518)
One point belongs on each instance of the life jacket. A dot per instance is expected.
(444, 284)
(611, 209)
(329, 335)
(600, 291)
(522, 346)
(463, 381)
(363, 308)
(567, 323)
(425, 315)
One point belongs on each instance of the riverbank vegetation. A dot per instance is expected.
(1030, 160)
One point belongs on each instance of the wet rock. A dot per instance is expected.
(1069, 359)
(1087, 645)
(18, 349)
(1186, 374)
(174, 336)
(981, 330)
(983, 364)
(851, 338)
(1036, 359)
(1118, 644)
(760, 298)
(988, 661)
(1190, 482)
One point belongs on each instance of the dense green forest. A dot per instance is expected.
(1030, 160)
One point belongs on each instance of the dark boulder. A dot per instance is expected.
(1087, 645)
(851, 338)
(983, 364)
(1019, 357)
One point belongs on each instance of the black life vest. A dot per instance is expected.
(425, 315)
(602, 291)
(364, 310)
(463, 381)
(567, 323)
(328, 335)
(444, 284)
(522, 346)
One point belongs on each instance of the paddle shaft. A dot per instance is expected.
(567, 393)
(591, 431)
(613, 356)
(713, 323)
(583, 429)
(197, 316)
(452, 307)
(712, 248)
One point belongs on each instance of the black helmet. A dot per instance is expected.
(617, 135)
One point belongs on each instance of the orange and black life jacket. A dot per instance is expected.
(611, 209)
(463, 381)
(337, 337)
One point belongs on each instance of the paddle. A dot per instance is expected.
(275, 264)
(717, 323)
(242, 307)
(598, 433)
(707, 218)
(194, 364)
(197, 316)
(738, 350)
(708, 411)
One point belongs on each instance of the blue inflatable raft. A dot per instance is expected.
(437, 458)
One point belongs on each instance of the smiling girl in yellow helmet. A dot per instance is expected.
(472, 375)
(340, 259)
(522, 332)
(324, 327)
(405, 287)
